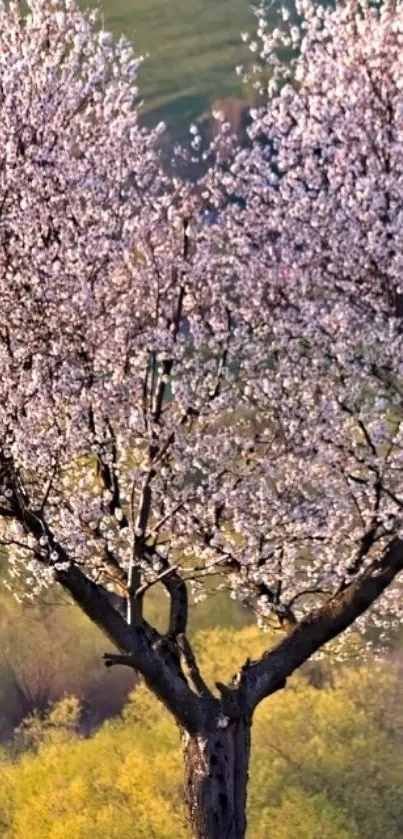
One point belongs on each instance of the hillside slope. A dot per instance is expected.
(193, 48)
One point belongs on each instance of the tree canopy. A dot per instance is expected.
(205, 406)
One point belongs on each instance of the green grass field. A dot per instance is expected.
(193, 48)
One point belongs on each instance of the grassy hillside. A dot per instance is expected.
(193, 47)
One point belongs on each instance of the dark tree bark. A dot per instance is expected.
(216, 779)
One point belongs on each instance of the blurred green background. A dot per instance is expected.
(192, 49)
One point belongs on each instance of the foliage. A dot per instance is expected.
(35, 672)
(324, 764)
(336, 759)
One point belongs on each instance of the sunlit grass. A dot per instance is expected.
(193, 47)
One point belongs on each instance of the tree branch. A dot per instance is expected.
(263, 677)
(137, 642)
(191, 663)
(178, 593)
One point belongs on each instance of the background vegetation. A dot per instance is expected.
(193, 47)
(327, 760)
(49, 649)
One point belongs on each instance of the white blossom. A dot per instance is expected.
(223, 398)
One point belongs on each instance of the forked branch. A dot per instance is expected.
(262, 677)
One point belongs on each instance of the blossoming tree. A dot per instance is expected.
(205, 406)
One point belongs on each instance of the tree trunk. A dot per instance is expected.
(216, 777)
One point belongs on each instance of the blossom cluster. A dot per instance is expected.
(223, 399)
